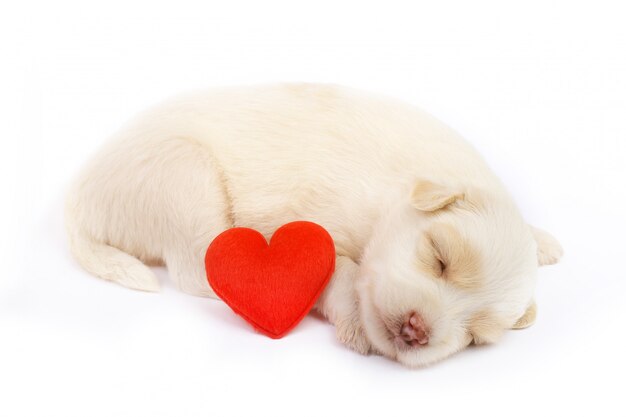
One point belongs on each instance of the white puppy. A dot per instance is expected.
(432, 253)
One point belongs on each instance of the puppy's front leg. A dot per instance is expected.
(340, 305)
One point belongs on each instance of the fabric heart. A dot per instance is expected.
(271, 286)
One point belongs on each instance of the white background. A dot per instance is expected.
(538, 87)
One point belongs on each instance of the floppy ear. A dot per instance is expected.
(528, 318)
(430, 196)
(549, 250)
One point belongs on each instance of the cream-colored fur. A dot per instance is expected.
(379, 175)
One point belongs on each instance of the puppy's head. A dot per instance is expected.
(450, 267)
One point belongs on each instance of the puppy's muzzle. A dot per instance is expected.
(413, 333)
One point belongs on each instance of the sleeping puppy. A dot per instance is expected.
(432, 253)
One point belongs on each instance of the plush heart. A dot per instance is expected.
(271, 286)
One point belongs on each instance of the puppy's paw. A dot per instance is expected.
(549, 253)
(350, 332)
(549, 250)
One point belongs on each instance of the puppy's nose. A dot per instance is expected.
(414, 331)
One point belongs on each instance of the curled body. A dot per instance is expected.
(432, 252)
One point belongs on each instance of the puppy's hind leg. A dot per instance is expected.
(201, 211)
(185, 264)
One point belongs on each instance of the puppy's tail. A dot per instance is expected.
(106, 261)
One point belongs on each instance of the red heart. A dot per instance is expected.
(271, 286)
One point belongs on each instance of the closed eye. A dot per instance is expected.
(430, 259)
(452, 257)
(441, 267)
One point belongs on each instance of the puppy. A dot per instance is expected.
(432, 253)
